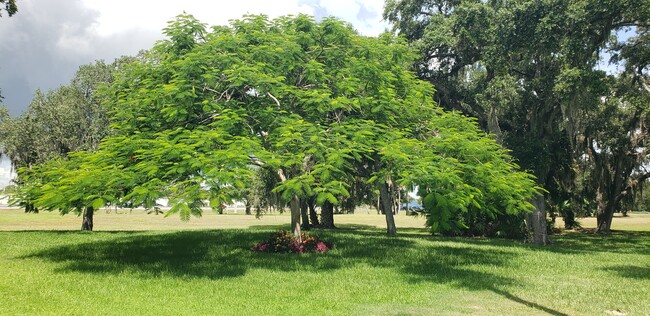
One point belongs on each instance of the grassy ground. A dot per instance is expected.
(634, 222)
(112, 220)
(143, 271)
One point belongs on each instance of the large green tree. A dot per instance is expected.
(68, 119)
(314, 104)
(511, 64)
(615, 132)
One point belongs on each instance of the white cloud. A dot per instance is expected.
(46, 41)
(365, 16)
(123, 15)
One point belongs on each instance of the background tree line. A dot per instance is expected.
(530, 72)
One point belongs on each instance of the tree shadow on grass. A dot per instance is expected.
(621, 242)
(206, 254)
(221, 254)
(631, 271)
(456, 261)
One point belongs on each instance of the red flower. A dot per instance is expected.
(283, 242)
(321, 247)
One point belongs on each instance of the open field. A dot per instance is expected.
(634, 222)
(111, 220)
(156, 266)
(12, 219)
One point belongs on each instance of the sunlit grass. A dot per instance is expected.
(213, 271)
(111, 220)
(634, 221)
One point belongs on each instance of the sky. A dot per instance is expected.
(43, 44)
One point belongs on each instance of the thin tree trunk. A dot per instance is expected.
(387, 205)
(30, 208)
(304, 213)
(87, 223)
(569, 218)
(408, 203)
(379, 204)
(399, 201)
(295, 217)
(294, 206)
(327, 215)
(248, 207)
(536, 222)
(312, 212)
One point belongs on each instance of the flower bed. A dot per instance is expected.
(283, 242)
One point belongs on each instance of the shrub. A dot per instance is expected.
(283, 242)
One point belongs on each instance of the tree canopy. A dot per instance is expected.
(529, 72)
(314, 103)
(67, 119)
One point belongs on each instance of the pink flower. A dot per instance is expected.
(283, 242)
(321, 247)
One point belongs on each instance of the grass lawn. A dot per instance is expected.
(137, 264)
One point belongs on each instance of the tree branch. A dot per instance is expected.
(630, 186)
(274, 98)
(643, 177)
(256, 161)
(283, 177)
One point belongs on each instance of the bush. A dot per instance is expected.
(476, 224)
(283, 242)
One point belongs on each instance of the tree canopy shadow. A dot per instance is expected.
(208, 254)
(631, 271)
(622, 242)
(437, 259)
(217, 254)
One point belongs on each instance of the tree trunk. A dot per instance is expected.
(387, 208)
(304, 213)
(536, 222)
(248, 207)
(327, 215)
(379, 208)
(569, 218)
(295, 217)
(605, 209)
(399, 201)
(312, 212)
(87, 223)
(294, 206)
(604, 219)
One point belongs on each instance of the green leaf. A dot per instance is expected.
(215, 203)
(331, 198)
(98, 203)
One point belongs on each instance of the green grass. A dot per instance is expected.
(111, 220)
(212, 271)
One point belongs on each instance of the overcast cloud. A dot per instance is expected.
(42, 46)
